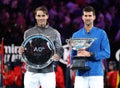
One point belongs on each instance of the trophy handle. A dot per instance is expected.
(68, 41)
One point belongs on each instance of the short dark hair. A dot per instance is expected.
(88, 9)
(43, 8)
(113, 63)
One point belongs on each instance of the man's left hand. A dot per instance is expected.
(55, 57)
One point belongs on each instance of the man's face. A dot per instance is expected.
(41, 18)
(111, 67)
(88, 18)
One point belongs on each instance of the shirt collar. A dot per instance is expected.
(43, 27)
(89, 31)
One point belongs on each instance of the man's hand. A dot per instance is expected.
(4, 77)
(83, 52)
(55, 57)
(21, 50)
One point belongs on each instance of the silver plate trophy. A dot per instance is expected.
(79, 62)
(38, 51)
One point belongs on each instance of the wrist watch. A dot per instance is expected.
(92, 54)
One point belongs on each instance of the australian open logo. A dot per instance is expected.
(38, 49)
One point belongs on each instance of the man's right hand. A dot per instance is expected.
(83, 52)
(21, 50)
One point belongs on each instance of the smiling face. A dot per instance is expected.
(41, 18)
(88, 18)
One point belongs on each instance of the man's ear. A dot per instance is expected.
(35, 16)
(47, 16)
(82, 17)
(94, 17)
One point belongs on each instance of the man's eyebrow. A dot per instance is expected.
(40, 15)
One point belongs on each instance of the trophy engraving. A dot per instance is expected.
(80, 62)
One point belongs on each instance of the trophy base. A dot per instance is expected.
(81, 68)
(79, 63)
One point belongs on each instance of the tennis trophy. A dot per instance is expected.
(38, 51)
(80, 62)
